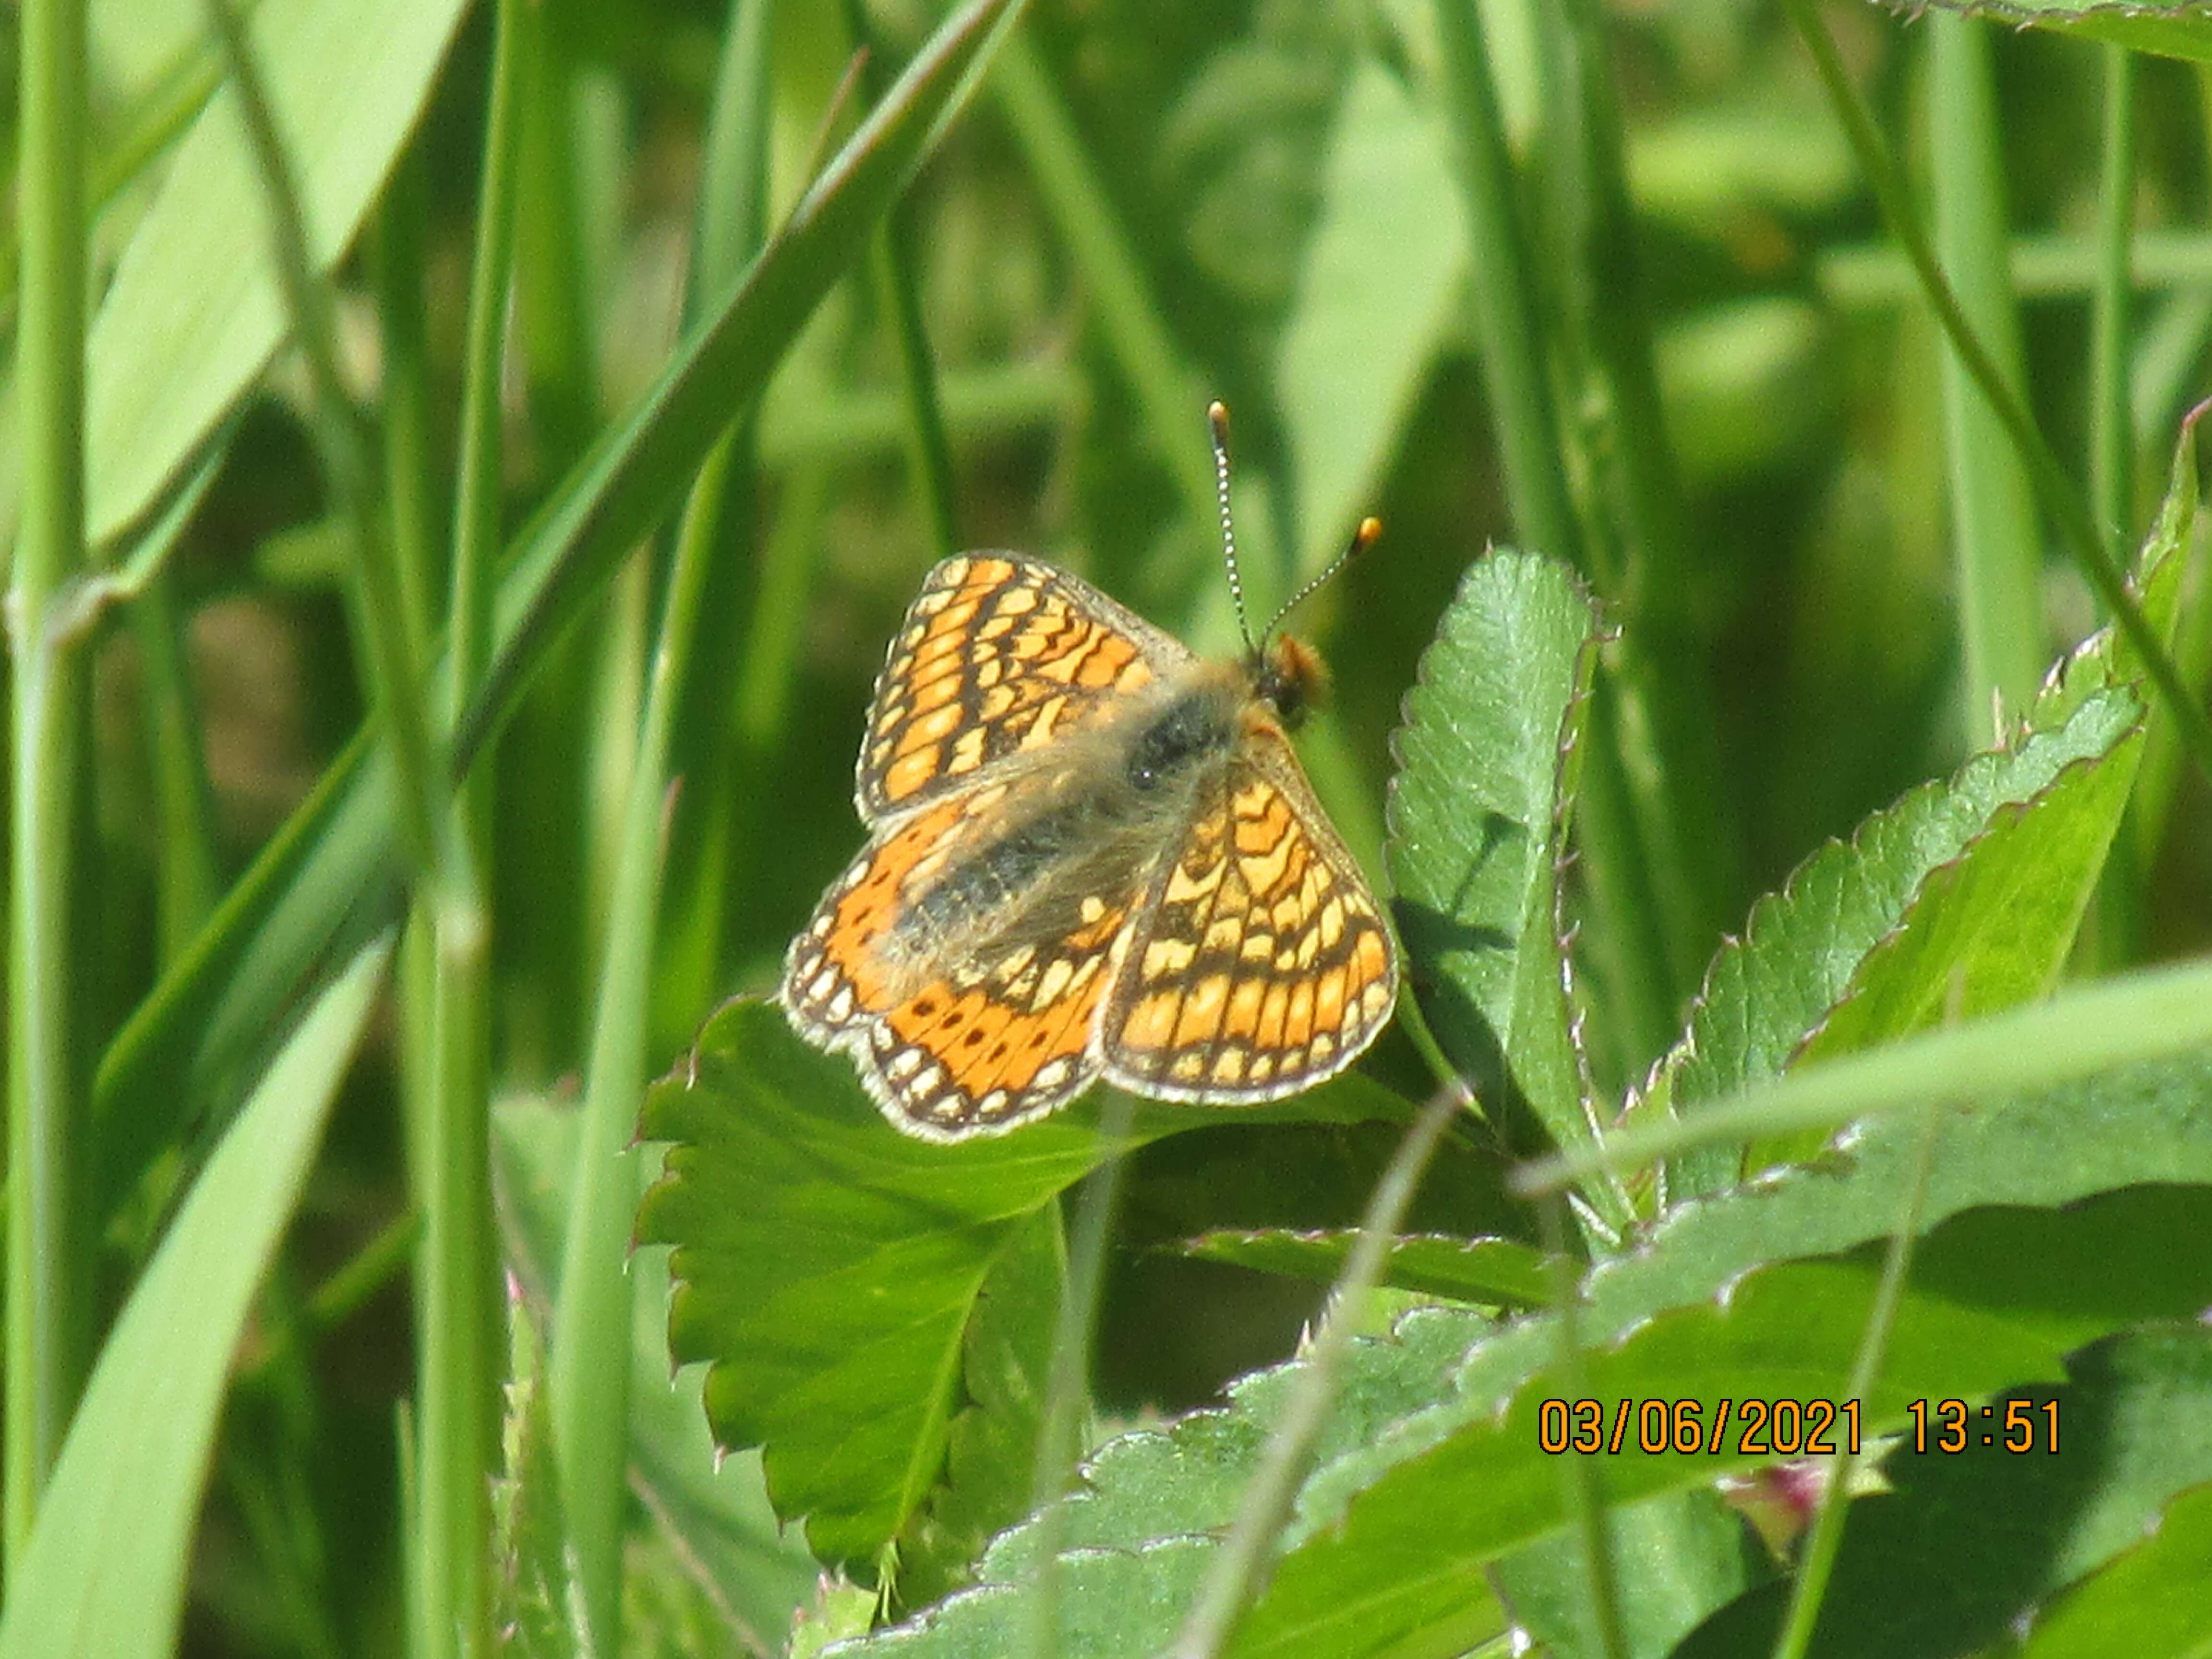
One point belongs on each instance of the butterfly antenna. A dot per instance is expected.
(1216, 420)
(1369, 533)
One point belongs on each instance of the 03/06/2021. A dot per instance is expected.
(1742, 1428)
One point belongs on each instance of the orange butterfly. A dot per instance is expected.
(1091, 853)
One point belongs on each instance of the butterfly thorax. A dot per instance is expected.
(1086, 822)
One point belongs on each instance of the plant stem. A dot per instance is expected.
(1235, 1572)
(47, 1265)
(1819, 1559)
(458, 1342)
(2060, 499)
(380, 611)
(1507, 318)
(2111, 427)
(1997, 544)
(2119, 914)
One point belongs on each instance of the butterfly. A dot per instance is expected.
(1091, 853)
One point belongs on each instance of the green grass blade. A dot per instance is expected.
(1099, 245)
(193, 313)
(104, 1576)
(2075, 1033)
(715, 750)
(589, 1371)
(1505, 294)
(332, 863)
(457, 1278)
(1996, 543)
(48, 1292)
(2055, 489)
(626, 482)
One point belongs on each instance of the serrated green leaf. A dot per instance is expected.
(1990, 929)
(827, 1268)
(194, 311)
(1189, 1475)
(1150, 1497)
(990, 1445)
(2154, 1601)
(1377, 293)
(1991, 924)
(2164, 31)
(1475, 826)
(103, 1576)
(1764, 996)
(2151, 1122)
(1978, 1321)
(1108, 1602)
(2162, 34)
(1489, 1271)
(1966, 1546)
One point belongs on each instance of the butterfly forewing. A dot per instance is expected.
(998, 655)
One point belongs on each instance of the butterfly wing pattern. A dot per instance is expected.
(1089, 854)
(998, 656)
(1260, 964)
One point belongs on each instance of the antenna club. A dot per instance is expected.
(1369, 533)
(1217, 418)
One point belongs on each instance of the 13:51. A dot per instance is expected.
(2024, 1425)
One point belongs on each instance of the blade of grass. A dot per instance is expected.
(2078, 532)
(1660, 859)
(395, 659)
(588, 1372)
(618, 490)
(1504, 293)
(187, 325)
(1818, 1561)
(2112, 452)
(892, 269)
(458, 1343)
(707, 754)
(330, 865)
(2111, 431)
(397, 254)
(188, 880)
(1083, 215)
(104, 1574)
(48, 1310)
(1237, 1570)
(2075, 1033)
(1997, 548)
(1581, 1475)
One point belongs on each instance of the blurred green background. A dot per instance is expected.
(1153, 203)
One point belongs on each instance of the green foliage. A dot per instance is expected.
(1478, 826)
(104, 1569)
(1603, 285)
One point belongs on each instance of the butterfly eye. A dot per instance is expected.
(1292, 679)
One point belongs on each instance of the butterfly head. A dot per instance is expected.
(1288, 676)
